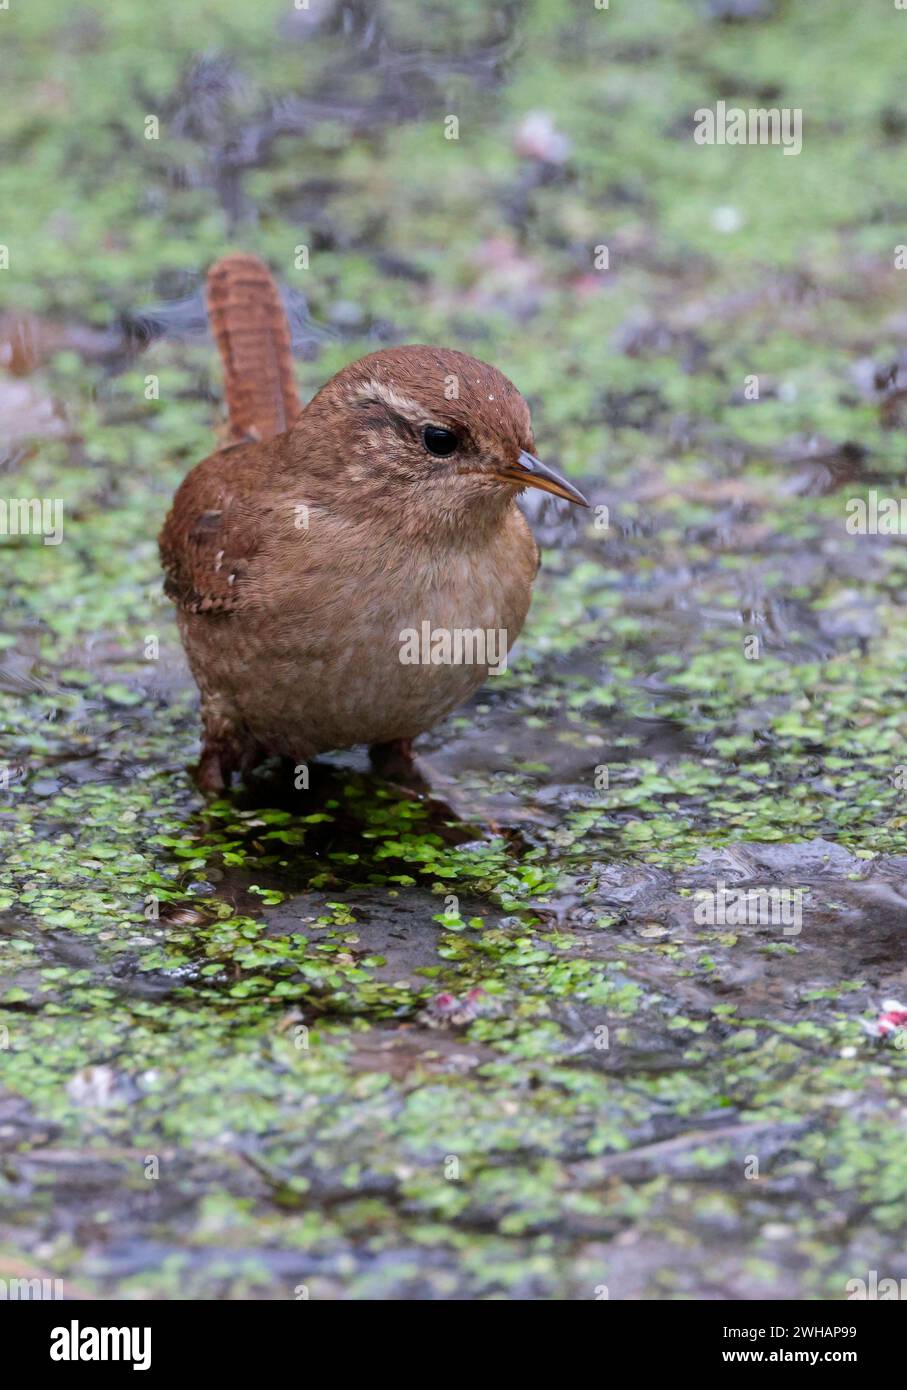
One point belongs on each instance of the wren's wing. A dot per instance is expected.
(213, 533)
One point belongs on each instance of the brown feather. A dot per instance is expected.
(253, 337)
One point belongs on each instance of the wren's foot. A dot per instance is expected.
(214, 770)
(227, 747)
(219, 761)
(395, 761)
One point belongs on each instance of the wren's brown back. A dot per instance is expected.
(253, 336)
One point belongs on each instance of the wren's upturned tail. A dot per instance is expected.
(253, 337)
(351, 571)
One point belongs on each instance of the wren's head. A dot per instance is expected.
(432, 430)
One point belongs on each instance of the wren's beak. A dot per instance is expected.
(528, 471)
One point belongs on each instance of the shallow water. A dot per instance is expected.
(473, 1041)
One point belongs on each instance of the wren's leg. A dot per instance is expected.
(223, 748)
(395, 761)
(220, 760)
(214, 771)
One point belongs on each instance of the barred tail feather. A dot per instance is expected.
(252, 334)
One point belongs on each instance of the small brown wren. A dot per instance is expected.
(299, 555)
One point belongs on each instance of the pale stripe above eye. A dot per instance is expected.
(380, 393)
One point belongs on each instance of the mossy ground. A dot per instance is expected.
(241, 1052)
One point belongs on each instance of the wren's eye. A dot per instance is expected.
(438, 441)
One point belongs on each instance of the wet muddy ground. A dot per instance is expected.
(483, 1039)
